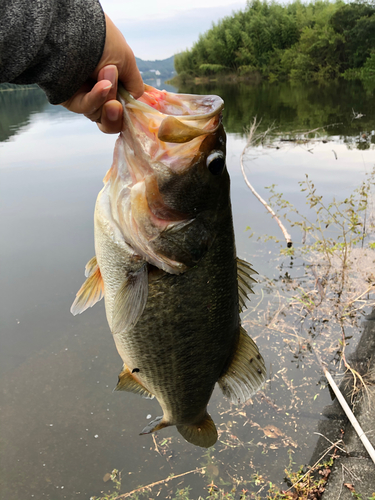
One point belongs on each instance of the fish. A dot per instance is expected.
(166, 264)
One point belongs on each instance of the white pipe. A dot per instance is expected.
(362, 436)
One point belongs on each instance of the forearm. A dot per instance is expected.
(54, 43)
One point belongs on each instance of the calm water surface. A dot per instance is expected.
(62, 427)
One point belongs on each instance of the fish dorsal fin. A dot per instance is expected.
(126, 382)
(245, 281)
(202, 434)
(173, 130)
(246, 372)
(130, 300)
(92, 289)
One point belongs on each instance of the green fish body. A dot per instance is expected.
(166, 263)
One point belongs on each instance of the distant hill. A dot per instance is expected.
(163, 69)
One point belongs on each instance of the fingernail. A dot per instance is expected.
(113, 114)
(109, 73)
(106, 90)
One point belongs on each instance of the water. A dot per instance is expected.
(62, 427)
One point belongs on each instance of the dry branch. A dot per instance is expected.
(162, 481)
(250, 139)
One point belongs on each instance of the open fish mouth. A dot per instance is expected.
(169, 128)
(162, 139)
(179, 117)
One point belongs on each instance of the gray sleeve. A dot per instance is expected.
(54, 43)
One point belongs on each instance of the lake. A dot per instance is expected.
(63, 428)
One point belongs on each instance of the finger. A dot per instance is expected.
(89, 102)
(111, 118)
(109, 73)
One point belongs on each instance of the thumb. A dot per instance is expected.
(130, 76)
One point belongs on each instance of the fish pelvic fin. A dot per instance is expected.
(246, 372)
(245, 282)
(126, 382)
(130, 300)
(202, 434)
(155, 425)
(91, 291)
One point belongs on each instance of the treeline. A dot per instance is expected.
(316, 41)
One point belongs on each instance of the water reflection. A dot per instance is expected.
(300, 107)
(16, 107)
(165, 264)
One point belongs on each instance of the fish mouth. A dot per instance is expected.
(167, 129)
(185, 108)
(161, 137)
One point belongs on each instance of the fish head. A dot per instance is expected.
(169, 184)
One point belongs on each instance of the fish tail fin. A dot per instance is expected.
(203, 434)
(246, 372)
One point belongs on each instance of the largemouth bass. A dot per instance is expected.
(166, 263)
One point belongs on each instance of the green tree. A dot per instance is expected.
(319, 40)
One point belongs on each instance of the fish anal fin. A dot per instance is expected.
(246, 372)
(174, 130)
(202, 434)
(91, 291)
(130, 300)
(155, 425)
(245, 282)
(126, 382)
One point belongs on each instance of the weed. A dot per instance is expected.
(115, 477)
(337, 227)
(337, 255)
(182, 494)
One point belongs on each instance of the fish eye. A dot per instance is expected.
(216, 162)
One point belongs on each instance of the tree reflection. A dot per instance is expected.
(17, 104)
(296, 107)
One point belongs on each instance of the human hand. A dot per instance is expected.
(98, 101)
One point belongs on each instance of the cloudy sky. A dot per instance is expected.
(157, 29)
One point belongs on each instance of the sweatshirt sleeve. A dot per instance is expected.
(54, 43)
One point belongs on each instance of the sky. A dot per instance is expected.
(158, 29)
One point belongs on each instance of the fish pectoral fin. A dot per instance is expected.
(91, 291)
(126, 382)
(173, 130)
(245, 282)
(155, 425)
(246, 372)
(130, 300)
(203, 434)
(91, 266)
